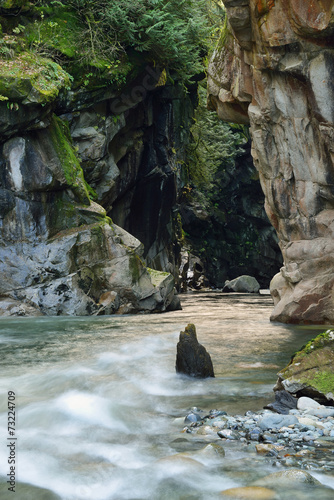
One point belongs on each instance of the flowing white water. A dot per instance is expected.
(96, 399)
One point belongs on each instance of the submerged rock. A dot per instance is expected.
(192, 358)
(242, 284)
(292, 476)
(250, 492)
(311, 370)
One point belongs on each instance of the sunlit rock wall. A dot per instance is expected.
(274, 69)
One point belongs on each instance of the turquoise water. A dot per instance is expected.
(97, 398)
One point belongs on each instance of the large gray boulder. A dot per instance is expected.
(242, 284)
(192, 358)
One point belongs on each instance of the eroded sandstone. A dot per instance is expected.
(274, 70)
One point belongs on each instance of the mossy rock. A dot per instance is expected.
(57, 30)
(11, 4)
(29, 78)
(311, 370)
(157, 277)
(62, 143)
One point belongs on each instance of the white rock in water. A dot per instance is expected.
(305, 403)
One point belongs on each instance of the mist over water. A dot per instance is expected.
(96, 397)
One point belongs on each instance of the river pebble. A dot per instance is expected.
(298, 439)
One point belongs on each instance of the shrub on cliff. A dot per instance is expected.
(173, 33)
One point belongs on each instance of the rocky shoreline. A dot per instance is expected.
(293, 444)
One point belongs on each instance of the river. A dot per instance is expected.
(96, 398)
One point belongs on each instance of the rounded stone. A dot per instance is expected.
(192, 418)
(229, 434)
(277, 421)
(212, 450)
(305, 403)
(287, 477)
(250, 492)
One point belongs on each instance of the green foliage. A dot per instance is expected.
(54, 32)
(174, 33)
(214, 146)
(110, 38)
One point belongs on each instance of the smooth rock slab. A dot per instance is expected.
(242, 284)
(277, 421)
(305, 403)
(321, 412)
(250, 492)
(294, 476)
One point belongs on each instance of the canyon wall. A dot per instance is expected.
(63, 154)
(274, 69)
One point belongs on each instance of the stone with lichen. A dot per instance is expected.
(311, 370)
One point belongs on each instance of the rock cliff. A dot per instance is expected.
(60, 253)
(274, 69)
(72, 157)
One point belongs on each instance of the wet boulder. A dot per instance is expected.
(192, 358)
(242, 284)
(284, 402)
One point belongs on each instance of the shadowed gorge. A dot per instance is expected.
(100, 197)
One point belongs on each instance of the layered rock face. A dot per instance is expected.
(132, 151)
(274, 70)
(60, 253)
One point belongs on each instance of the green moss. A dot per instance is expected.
(135, 267)
(57, 31)
(31, 78)
(92, 193)
(157, 277)
(155, 273)
(313, 365)
(61, 140)
(316, 343)
(323, 382)
(225, 36)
